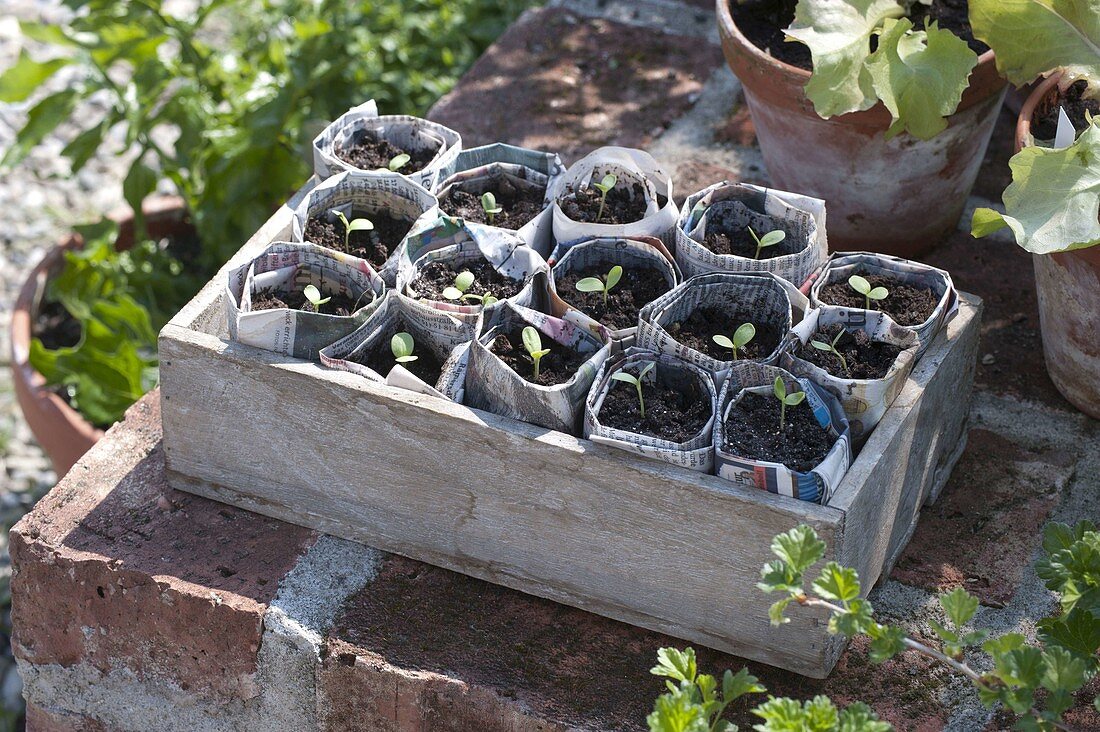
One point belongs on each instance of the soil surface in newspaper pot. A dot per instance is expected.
(360, 140)
(394, 204)
(519, 178)
(918, 290)
(671, 382)
(649, 272)
(814, 483)
(279, 277)
(684, 321)
(436, 335)
(712, 233)
(641, 201)
(434, 256)
(566, 373)
(864, 400)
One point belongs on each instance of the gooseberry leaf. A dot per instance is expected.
(838, 34)
(920, 76)
(1051, 202)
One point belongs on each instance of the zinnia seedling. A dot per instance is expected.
(863, 287)
(637, 382)
(464, 281)
(489, 203)
(532, 341)
(831, 348)
(353, 225)
(399, 161)
(595, 284)
(313, 295)
(741, 337)
(768, 240)
(604, 187)
(786, 400)
(402, 346)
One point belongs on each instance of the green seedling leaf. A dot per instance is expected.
(741, 338)
(464, 280)
(863, 287)
(595, 284)
(920, 76)
(604, 187)
(768, 240)
(402, 346)
(313, 295)
(532, 341)
(590, 284)
(613, 276)
(1051, 202)
(399, 161)
(785, 400)
(360, 225)
(489, 204)
(636, 382)
(452, 293)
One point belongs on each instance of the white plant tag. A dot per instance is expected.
(1065, 135)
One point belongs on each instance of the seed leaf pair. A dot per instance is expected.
(863, 287)
(532, 342)
(489, 204)
(791, 399)
(595, 284)
(464, 281)
(604, 187)
(768, 240)
(831, 347)
(313, 295)
(353, 225)
(402, 346)
(636, 381)
(741, 337)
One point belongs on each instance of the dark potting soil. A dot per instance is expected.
(763, 23)
(437, 276)
(723, 236)
(426, 367)
(671, 415)
(556, 367)
(638, 287)
(752, 432)
(906, 304)
(375, 245)
(1045, 123)
(697, 331)
(622, 207)
(519, 206)
(56, 327)
(340, 304)
(865, 358)
(367, 152)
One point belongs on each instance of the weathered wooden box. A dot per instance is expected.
(537, 510)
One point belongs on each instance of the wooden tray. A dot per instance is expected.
(537, 510)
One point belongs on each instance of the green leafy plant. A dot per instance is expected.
(399, 161)
(793, 399)
(489, 205)
(360, 224)
(636, 382)
(463, 282)
(768, 240)
(402, 345)
(313, 297)
(741, 338)
(863, 287)
(532, 341)
(831, 347)
(604, 187)
(604, 285)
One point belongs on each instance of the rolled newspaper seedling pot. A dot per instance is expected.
(729, 210)
(454, 246)
(495, 386)
(842, 266)
(637, 176)
(718, 304)
(520, 179)
(436, 337)
(864, 400)
(394, 204)
(599, 255)
(816, 484)
(696, 451)
(285, 270)
(431, 146)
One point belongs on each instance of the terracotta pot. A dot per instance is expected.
(62, 432)
(896, 197)
(1068, 286)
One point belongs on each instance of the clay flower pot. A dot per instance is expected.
(1068, 286)
(61, 430)
(895, 197)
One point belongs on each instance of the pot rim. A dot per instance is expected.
(1023, 120)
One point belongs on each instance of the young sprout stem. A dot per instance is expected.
(353, 225)
(604, 187)
(636, 381)
(313, 295)
(863, 287)
(785, 400)
(768, 240)
(532, 341)
(402, 346)
(741, 337)
(595, 284)
(489, 204)
(831, 348)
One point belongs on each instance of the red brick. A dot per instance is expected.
(41, 720)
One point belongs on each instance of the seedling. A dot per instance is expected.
(313, 295)
(489, 203)
(604, 187)
(464, 281)
(350, 226)
(741, 337)
(863, 287)
(637, 382)
(831, 348)
(532, 341)
(786, 400)
(402, 346)
(399, 161)
(768, 240)
(595, 284)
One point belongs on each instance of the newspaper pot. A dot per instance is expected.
(815, 485)
(61, 431)
(913, 189)
(1068, 286)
